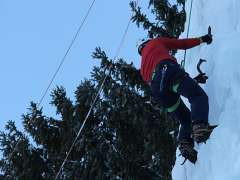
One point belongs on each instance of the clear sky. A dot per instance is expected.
(34, 36)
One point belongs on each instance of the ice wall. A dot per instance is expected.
(218, 159)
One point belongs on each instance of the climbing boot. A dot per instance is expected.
(201, 132)
(187, 150)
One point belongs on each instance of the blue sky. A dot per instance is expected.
(34, 36)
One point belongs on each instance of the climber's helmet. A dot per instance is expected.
(141, 44)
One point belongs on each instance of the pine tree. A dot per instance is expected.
(169, 19)
(126, 136)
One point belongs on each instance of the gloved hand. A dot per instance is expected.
(206, 38)
(201, 78)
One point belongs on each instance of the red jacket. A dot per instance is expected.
(158, 49)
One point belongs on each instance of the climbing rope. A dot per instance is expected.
(185, 170)
(96, 97)
(59, 67)
(183, 65)
(67, 52)
(189, 22)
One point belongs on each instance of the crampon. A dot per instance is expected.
(201, 132)
(187, 151)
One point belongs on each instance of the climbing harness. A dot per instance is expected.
(174, 107)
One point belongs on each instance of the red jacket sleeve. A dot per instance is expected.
(174, 44)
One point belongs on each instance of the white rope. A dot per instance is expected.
(96, 97)
(67, 51)
(189, 22)
(183, 64)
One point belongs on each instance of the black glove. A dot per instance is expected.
(206, 38)
(201, 78)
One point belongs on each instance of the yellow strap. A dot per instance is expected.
(174, 107)
(175, 87)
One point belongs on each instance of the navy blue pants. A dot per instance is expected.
(166, 75)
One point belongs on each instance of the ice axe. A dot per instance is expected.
(199, 64)
(201, 77)
(203, 60)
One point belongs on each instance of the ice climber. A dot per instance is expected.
(168, 80)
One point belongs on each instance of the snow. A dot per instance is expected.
(218, 159)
